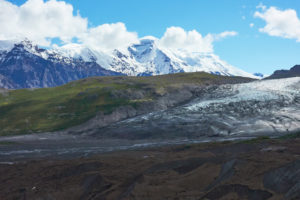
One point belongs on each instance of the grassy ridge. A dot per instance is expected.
(49, 109)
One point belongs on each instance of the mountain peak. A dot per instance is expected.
(296, 68)
(27, 43)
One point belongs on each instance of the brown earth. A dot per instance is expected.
(266, 169)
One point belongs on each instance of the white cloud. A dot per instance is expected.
(109, 37)
(41, 21)
(281, 23)
(251, 25)
(178, 38)
(225, 34)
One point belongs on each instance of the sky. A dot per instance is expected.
(253, 35)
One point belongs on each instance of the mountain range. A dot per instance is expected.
(26, 65)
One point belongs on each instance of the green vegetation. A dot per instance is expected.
(290, 136)
(49, 109)
(256, 140)
(263, 138)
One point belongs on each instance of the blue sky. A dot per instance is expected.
(251, 50)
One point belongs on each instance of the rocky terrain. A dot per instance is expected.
(256, 169)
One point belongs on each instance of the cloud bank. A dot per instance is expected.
(178, 38)
(280, 23)
(42, 21)
(109, 36)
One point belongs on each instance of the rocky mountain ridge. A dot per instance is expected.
(293, 72)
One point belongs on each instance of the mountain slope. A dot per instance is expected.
(103, 99)
(293, 72)
(24, 65)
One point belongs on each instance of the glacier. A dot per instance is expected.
(249, 109)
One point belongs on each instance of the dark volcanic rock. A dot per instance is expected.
(293, 72)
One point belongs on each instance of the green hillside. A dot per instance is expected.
(49, 109)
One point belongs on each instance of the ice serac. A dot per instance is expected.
(25, 65)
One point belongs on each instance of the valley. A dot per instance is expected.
(149, 100)
(154, 137)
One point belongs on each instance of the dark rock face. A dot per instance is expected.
(293, 72)
(285, 179)
(20, 68)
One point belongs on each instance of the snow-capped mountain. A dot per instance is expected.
(24, 65)
(150, 58)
